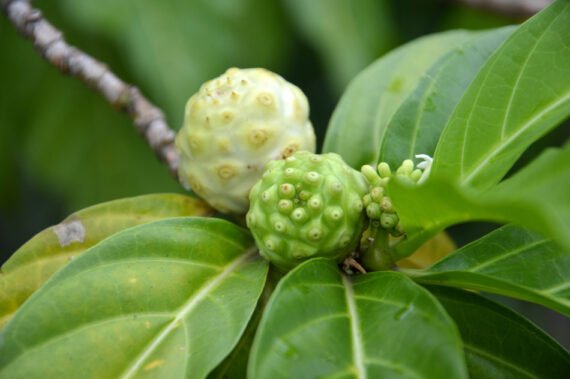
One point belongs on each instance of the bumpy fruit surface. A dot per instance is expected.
(307, 206)
(232, 127)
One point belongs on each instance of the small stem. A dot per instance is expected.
(378, 255)
(350, 263)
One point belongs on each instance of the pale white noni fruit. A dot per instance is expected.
(233, 127)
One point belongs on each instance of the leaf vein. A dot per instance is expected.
(209, 286)
(356, 332)
(509, 254)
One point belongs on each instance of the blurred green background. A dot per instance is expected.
(62, 147)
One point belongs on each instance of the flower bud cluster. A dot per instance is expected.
(378, 204)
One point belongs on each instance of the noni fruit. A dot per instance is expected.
(233, 126)
(307, 206)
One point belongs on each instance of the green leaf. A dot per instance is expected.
(366, 32)
(322, 324)
(510, 261)
(536, 197)
(167, 299)
(417, 124)
(360, 119)
(500, 343)
(522, 92)
(235, 364)
(37, 260)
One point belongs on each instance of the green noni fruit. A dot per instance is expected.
(307, 206)
(232, 127)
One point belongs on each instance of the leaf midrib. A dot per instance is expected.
(500, 257)
(208, 287)
(356, 332)
(503, 143)
(4, 317)
(434, 278)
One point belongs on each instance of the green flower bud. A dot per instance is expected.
(370, 174)
(373, 211)
(389, 220)
(384, 170)
(322, 217)
(232, 127)
(416, 175)
(406, 168)
(386, 205)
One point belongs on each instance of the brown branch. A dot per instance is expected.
(511, 8)
(48, 40)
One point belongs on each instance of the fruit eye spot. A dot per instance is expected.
(299, 214)
(269, 244)
(305, 195)
(279, 226)
(316, 159)
(289, 172)
(227, 117)
(312, 177)
(265, 98)
(287, 190)
(315, 203)
(334, 213)
(344, 241)
(258, 137)
(285, 206)
(358, 205)
(335, 187)
(226, 172)
(265, 196)
(315, 234)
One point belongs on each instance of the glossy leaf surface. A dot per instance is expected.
(361, 117)
(417, 124)
(235, 364)
(322, 324)
(522, 92)
(37, 260)
(166, 299)
(510, 261)
(500, 343)
(535, 197)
